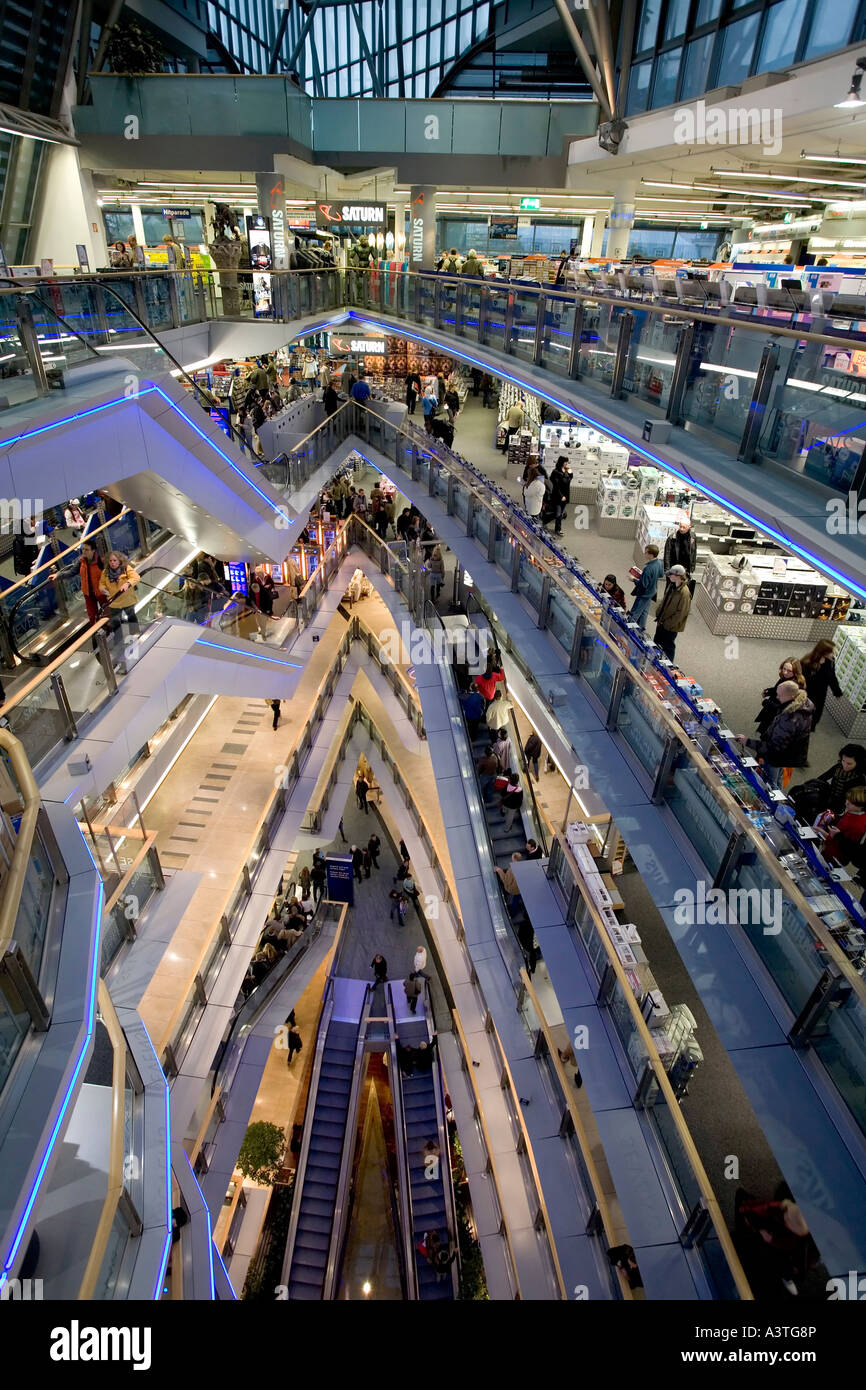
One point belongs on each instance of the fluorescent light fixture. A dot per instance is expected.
(832, 158)
(711, 188)
(128, 347)
(787, 178)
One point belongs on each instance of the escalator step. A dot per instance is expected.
(319, 1211)
(312, 1240)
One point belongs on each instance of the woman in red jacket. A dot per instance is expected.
(846, 842)
(486, 684)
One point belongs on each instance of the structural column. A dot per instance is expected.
(620, 222)
(422, 227)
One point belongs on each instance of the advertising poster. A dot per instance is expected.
(261, 260)
(503, 228)
(341, 885)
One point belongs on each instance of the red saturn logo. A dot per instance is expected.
(325, 209)
(419, 199)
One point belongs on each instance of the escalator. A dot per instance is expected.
(328, 1146)
(426, 1147)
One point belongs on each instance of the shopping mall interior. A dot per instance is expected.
(433, 653)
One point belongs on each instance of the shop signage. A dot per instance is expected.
(271, 196)
(351, 214)
(341, 887)
(361, 345)
(503, 228)
(177, 214)
(530, 204)
(422, 227)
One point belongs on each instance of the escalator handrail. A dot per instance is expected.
(444, 1150)
(347, 1157)
(47, 566)
(407, 1214)
(524, 765)
(303, 1156)
(249, 1013)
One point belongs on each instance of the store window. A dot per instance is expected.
(695, 246)
(781, 35)
(118, 225)
(667, 72)
(638, 87)
(649, 23)
(678, 13)
(832, 27)
(697, 67)
(708, 10)
(738, 47)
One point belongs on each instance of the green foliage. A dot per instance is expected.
(262, 1151)
(134, 49)
(266, 1269)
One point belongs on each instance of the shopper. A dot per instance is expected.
(73, 518)
(90, 574)
(819, 670)
(413, 391)
(258, 377)
(786, 741)
(509, 882)
(646, 586)
(436, 565)
(325, 375)
(673, 611)
(419, 962)
(789, 670)
(318, 878)
(452, 400)
(380, 969)
(488, 390)
(532, 752)
(560, 491)
(829, 790)
(361, 390)
(502, 747)
(846, 843)
(362, 786)
(562, 266)
(526, 938)
(425, 1055)
(374, 846)
(357, 863)
(533, 495)
(398, 906)
(611, 587)
(476, 375)
(473, 710)
(330, 399)
(472, 265)
(487, 683)
(487, 768)
(262, 597)
(513, 422)
(499, 710)
(429, 405)
(118, 582)
(275, 707)
(512, 799)
(414, 988)
(294, 1043)
(681, 548)
(533, 850)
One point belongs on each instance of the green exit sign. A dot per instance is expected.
(530, 204)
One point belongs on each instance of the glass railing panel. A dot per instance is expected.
(561, 618)
(112, 1263)
(651, 359)
(425, 300)
(557, 334)
(840, 1042)
(777, 930)
(524, 316)
(448, 305)
(597, 666)
(38, 721)
(637, 721)
(39, 606)
(493, 326)
(17, 383)
(530, 581)
(674, 1150)
(597, 349)
(14, 1027)
(721, 378)
(78, 302)
(460, 495)
(133, 1134)
(155, 291)
(628, 1031)
(707, 825)
(814, 418)
(718, 1270)
(34, 907)
(481, 523)
(504, 549)
(58, 347)
(470, 315)
(122, 534)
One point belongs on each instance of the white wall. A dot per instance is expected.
(67, 212)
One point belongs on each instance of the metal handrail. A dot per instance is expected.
(13, 884)
(445, 1150)
(347, 1156)
(683, 1132)
(114, 1187)
(402, 1140)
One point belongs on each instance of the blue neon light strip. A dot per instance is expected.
(79, 415)
(844, 579)
(203, 642)
(64, 1105)
(212, 1250)
(157, 1290)
(226, 1273)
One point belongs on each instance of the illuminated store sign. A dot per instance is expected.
(352, 214)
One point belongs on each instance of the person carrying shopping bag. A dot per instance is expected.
(118, 583)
